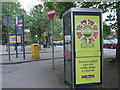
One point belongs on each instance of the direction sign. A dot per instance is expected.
(51, 13)
(19, 24)
(7, 21)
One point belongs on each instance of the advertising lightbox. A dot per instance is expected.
(13, 39)
(85, 31)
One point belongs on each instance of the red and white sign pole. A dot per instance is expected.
(51, 14)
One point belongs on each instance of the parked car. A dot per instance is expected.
(55, 42)
(58, 43)
(110, 43)
(62, 43)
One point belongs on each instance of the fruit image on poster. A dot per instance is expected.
(87, 30)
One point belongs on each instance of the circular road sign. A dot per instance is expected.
(51, 13)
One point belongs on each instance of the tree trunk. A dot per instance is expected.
(40, 44)
(118, 33)
(32, 34)
(40, 36)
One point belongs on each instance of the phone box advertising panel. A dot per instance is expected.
(84, 67)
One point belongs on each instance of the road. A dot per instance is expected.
(34, 75)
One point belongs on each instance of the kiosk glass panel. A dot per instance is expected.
(67, 49)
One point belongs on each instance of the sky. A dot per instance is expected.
(29, 4)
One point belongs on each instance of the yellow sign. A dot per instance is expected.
(13, 39)
(87, 48)
(87, 70)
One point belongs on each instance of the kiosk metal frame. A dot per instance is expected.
(70, 47)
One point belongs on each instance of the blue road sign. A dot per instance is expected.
(7, 21)
(19, 29)
(19, 24)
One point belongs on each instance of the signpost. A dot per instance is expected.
(7, 22)
(19, 29)
(51, 14)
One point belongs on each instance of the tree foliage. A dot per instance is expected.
(58, 32)
(40, 24)
(38, 21)
(61, 7)
(106, 30)
(11, 9)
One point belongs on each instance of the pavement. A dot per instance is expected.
(109, 53)
(28, 49)
(45, 54)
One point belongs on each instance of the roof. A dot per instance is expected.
(82, 10)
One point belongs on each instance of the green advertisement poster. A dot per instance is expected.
(87, 70)
(87, 36)
(87, 48)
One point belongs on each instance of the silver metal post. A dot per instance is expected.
(53, 44)
(9, 44)
(7, 22)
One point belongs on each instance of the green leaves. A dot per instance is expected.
(106, 30)
(11, 9)
(61, 7)
(38, 21)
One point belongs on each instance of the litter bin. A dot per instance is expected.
(35, 51)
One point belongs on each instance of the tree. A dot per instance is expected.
(59, 11)
(39, 22)
(11, 9)
(106, 30)
(58, 32)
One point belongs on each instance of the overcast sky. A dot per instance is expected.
(28, 4)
